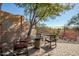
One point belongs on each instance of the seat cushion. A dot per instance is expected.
(20, 45)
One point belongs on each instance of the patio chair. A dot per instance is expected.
(21, 45)
(52, 39)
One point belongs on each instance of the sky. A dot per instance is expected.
(57, 22)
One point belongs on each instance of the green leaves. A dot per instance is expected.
(74, 20)
(0, 5)
(36, 12)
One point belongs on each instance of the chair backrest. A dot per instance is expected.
(22, 43)
(53, 38)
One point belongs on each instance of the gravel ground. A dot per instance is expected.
(62, 49)
(65, 49)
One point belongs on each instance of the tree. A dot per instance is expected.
(37, 12)
(0, 5)
(41, 27)
(75, 21)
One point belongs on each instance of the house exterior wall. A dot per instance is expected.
(11, 27)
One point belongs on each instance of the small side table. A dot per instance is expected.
(37, 43)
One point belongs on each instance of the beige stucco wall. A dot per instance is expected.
(13, 31)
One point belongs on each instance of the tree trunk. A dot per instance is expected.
(0, 5)
(29, 32)
(28, 39)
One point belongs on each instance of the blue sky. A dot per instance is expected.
(57, 22)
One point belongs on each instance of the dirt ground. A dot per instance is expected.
(62, 49)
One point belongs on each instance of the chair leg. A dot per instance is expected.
(50, 45)
(12, 52)
(45, 42)
(1, 52)
(55, 44)
(27, 52)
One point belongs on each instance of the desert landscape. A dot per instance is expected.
(39, 29)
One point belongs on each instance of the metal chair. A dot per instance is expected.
(52, 38)
(21, 45)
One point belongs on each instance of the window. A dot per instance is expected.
(7, 24)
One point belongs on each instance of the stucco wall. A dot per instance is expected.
(14, 30)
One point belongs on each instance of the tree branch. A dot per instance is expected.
(34, 13)
(40, 18)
